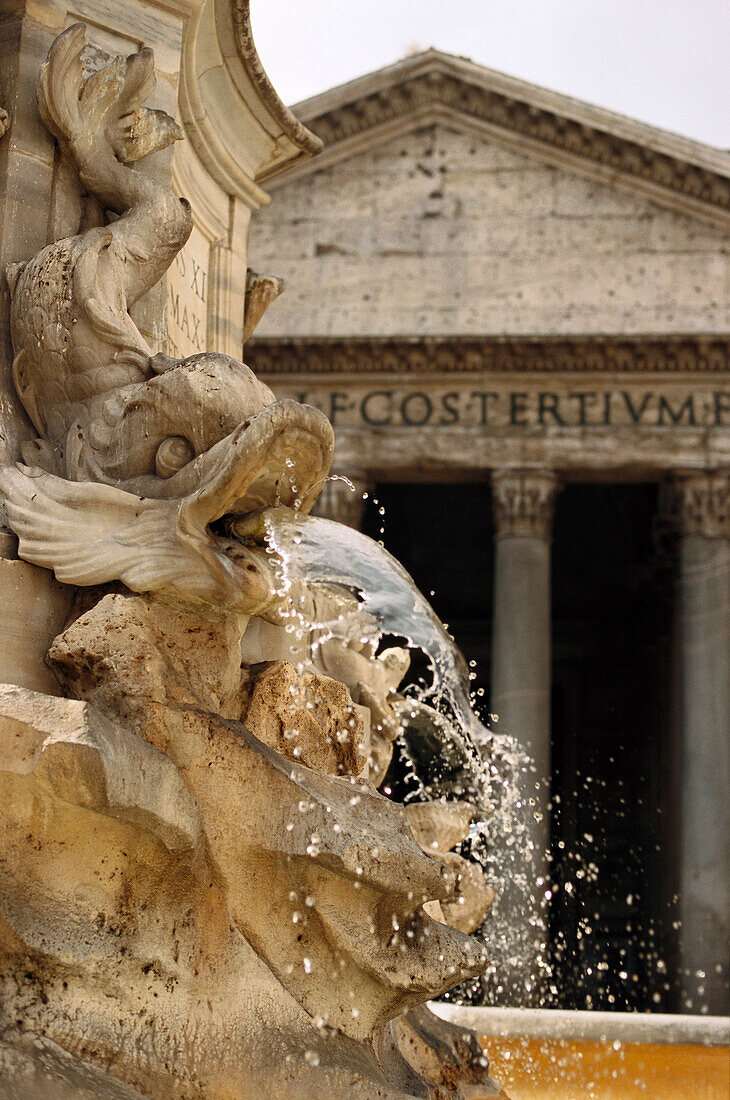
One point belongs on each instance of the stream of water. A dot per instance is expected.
(322, 552)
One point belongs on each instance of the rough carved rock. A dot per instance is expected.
(349, 656)
(335, 872)
(448, 1056)
(473, 896)
(34, 1068)
(134, 656)
(224, 847)
(306, 717)
(438, 827)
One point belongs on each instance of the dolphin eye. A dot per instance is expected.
(172, 454)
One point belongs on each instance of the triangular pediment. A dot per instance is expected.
(434, 87)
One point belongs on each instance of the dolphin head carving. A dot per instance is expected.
(165, 469)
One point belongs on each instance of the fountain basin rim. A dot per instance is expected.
(624, 1027)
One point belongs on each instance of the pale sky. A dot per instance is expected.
(664, 62)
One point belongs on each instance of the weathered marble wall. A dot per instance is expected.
(441, 232)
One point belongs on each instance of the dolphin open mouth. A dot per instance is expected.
(180, 536)
(281, 456)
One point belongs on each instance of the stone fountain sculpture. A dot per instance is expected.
(202, 893)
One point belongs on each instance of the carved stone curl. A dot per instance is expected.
(191, 906)
(523, 502)
(700, 503)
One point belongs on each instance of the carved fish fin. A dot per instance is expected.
(111, 323)
(86, 280)
(105, 105)
(68, 99)
(139, 80)
(90, 533)
(60, 82)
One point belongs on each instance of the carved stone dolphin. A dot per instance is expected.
(142, 462)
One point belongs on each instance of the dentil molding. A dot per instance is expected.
(470, 355)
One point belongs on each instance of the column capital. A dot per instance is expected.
(701, 502)
(344, 500)
(523, 501)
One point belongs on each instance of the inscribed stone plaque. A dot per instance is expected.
(187, 295)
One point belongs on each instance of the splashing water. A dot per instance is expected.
(438, 721)
(322, 552)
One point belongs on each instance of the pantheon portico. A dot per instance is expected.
(497, 287)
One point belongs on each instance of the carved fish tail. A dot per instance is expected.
(100, 120)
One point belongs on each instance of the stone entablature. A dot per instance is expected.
(596, 408)
(531, 402)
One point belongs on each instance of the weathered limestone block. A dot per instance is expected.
(133, 655)
(80, 756)
(307, 717)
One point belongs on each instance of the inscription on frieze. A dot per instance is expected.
(524, 406)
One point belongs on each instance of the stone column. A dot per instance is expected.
(703, 511)
(344, 500)
(520, 690)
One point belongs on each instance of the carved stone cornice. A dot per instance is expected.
(471, 355)
(523, 502)
(700, 503)
(612, 144)
(293, 131)
(222, 79)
